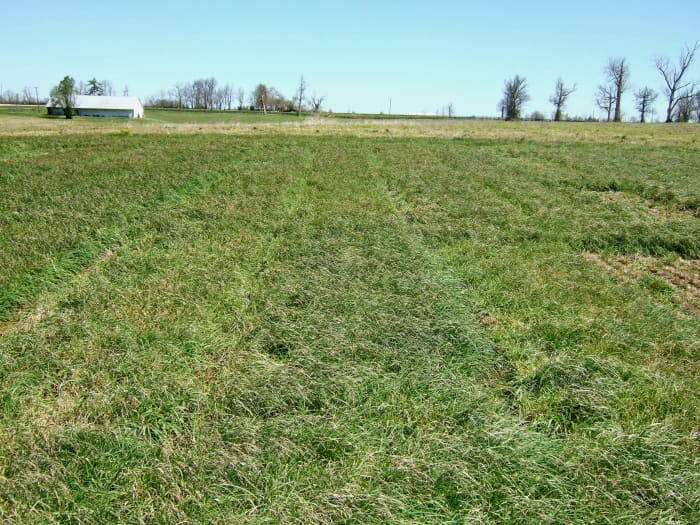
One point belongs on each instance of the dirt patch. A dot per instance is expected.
(488, 321)
(683, 274)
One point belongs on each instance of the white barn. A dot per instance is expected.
(95, 106)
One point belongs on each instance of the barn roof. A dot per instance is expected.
(97, 102)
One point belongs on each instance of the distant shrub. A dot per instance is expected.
(691, 205)
(578, 118)
(657, 194)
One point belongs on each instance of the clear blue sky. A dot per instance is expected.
(359, 54)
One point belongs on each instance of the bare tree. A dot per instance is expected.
(515, 95)
(450, 110)
(605, 98)
(240, 97)
(618, 74)
(27, 95)
(197, 97)
(644, 98)
(223, 97)
(259, 97)
(199, 94)
(673, 76)
(299, 97)
(561, 93)
(9, 97)
(178, 92)
(276, 101)
(125, 91)
(209, 90)
(188, 96)
(107, 88)
(697, 105)
(316, 103)
(685, 106)
(227, 96)
(217, 99)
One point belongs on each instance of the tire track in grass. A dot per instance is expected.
(70, 267)
(377, 371)
(64, 213)
(364, 359)
(113, 392)
(581, 443)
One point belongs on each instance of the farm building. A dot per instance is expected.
(95, 106)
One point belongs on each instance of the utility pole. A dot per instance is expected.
(389, 105)
(36, 92)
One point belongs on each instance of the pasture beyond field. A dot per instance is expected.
(328, 321)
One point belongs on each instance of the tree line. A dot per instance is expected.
(203, 94)
(209, 94)
(682, 96)
(28, 96)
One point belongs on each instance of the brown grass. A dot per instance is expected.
(683, 274)
(588, 132)
(28, 318)
(657, 212)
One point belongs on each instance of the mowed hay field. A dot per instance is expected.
(366, 322)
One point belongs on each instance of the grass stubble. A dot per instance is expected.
(205, 327)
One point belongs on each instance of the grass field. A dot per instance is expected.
(215, 117)
(354, 322)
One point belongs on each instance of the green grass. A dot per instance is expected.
(387, 116)
(212, 328)
(21, 110)
(216, 117)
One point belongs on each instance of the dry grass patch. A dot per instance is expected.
(479, 129)
(683, 274)
(659, 213)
